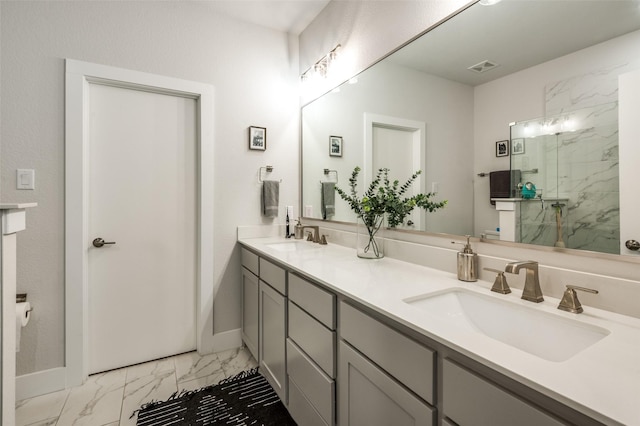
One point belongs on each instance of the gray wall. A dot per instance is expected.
(254, 71)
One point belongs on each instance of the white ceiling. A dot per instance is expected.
(516, 34)
(291, 16)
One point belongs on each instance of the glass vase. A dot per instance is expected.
(370, 237)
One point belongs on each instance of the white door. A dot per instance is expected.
(142, 197)
(629, 154)
(393, 149)
(399, 145)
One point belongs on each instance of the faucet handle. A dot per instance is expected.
(570, 302)
(310, 236)
(323, 240)
(500, 284)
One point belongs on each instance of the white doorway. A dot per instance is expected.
(142, 198)
(399, 145)
(144, 181)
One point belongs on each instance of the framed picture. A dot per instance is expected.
(517, 146)
(335, 146)
(258, 138)
(502, 148)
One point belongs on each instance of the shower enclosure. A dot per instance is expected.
(572, 160)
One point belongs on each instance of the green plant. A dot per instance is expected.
(385, 197)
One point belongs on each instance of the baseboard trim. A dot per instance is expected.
(40, 383)
(55, 379)
(226, 340)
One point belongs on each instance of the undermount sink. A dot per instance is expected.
(539, 333)
(292, 245)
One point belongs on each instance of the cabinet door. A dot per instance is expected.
(368, 397)
(250, 294)
(405, 359)
(468, 399)
(272, 325)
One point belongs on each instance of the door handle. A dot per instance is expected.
(99, 242)
(632, 245)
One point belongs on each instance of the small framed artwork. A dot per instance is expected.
(335, 146)
(258, 138)
(517, 146)
(502, 148)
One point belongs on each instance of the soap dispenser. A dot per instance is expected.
(298, 230)
(467, 263)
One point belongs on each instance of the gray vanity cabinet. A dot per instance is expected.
(311, 348)
(384, 377)
(369, 396)
(331, 362)
(272, 325)
(250, 295)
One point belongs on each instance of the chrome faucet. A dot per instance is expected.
(532, 291)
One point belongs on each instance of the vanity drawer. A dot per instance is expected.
(301, 409)
(470, 400)
(315, 386)
(313, 337)
(249, 260)
(273, 275)
(403, 358)
(317, 302)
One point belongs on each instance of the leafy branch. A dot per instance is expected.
(385, 196)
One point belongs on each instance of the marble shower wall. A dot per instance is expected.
(577, 168)
(576, 157)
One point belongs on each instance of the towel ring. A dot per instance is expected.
(267, 169)
(327, 171)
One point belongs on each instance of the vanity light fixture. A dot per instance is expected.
(568, 125)
(322, 67)
(552, 126)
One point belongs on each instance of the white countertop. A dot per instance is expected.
(12, 206)
(602, 381)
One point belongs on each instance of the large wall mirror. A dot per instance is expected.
(460, 103)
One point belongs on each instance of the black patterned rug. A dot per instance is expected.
(245, 399)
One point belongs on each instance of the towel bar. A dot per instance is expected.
(267, 169)
(327, 171)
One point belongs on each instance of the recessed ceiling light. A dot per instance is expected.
(489, 2)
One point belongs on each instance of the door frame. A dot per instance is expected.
(418, 131)
(78, 76)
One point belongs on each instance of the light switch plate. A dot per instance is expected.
(308, 210)
(26, 179)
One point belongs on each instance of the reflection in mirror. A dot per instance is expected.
(569, 162)
(460, 85)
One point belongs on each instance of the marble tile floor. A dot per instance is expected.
(108, 399)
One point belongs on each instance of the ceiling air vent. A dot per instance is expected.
(483, 66)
